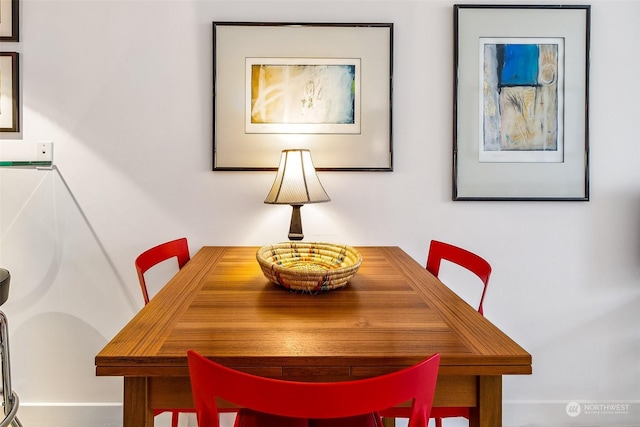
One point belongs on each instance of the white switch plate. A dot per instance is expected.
(44, 152)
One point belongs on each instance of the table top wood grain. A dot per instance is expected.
(392, 314)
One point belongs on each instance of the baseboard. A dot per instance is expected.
(93, 415)
(621, 413)
(70, 414)
(559, 414)
(515, 414)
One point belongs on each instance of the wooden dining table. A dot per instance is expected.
(392, 314)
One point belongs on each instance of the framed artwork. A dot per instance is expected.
(9, 105)
(317, 86)
(9, 20)
(521, 102)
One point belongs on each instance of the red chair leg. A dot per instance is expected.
(174, 418)
(438, 422)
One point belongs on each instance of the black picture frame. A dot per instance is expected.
(9, 92)
(9, 20)
(491, 160)
(237, 147)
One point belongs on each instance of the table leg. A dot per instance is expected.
(136, 411)
(488, 413)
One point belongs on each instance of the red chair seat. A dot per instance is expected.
(449, 412)
(251, 418)
(367, 420)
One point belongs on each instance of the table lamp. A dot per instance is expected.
(296, 184)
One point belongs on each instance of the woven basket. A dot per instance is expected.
(309, 267)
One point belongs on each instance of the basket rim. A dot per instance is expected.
(349, 251)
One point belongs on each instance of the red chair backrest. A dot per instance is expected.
(472, 262)
(308, 399)
(175, 248)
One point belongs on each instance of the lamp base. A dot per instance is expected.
(295, 228)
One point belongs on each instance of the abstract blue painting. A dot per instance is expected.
(522, 83)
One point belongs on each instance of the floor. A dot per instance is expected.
(226, 420)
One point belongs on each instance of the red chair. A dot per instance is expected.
(176, 248)
(439, 251)
(268, 402)
(472, 262)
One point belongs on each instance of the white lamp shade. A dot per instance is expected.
(296, 182)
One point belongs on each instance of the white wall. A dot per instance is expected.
(122, 88)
